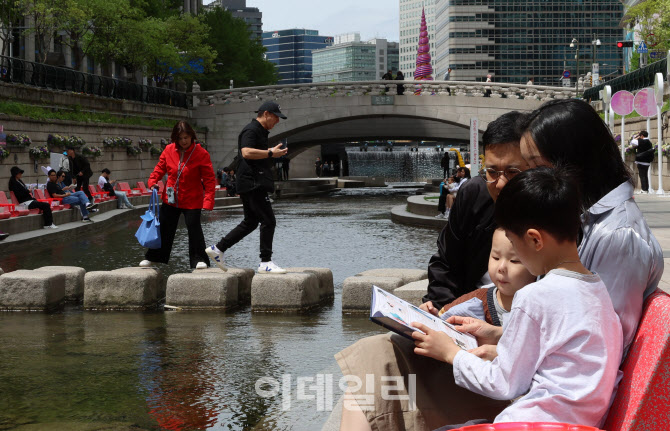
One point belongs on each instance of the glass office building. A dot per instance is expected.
(355, 61)
(251, 15)
(291, 52)
(516, 40)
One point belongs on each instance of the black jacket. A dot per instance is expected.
(20, 191)
(644, 152)
(78, 164)
(254, 174)
(463, 246)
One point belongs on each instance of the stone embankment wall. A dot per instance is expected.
(124, 167)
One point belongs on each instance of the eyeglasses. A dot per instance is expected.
(490, 175)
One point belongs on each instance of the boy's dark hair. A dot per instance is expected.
(106, 171)
(543, 198)
(644, 133)
(50, 171)
(503, 130)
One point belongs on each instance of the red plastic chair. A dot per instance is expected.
(103, 196)
(60, 200)
(641, 402)
(4, 212)
(54, 203)
(130, 192)
(16, 202)
(143, 188)
(12, 206)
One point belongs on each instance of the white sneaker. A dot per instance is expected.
(122, 207)
(440, 215)
(53, 226)
(216, 256)
(270, 268)
(147, 263)
(201, 265)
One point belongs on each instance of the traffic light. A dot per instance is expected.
(624, 44)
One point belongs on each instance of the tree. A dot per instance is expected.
(651, 21)
(9, 18)
(45, 16)
(238, 57)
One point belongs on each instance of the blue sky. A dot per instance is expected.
(372, 18)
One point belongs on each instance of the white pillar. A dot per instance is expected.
(194, 7)
(659, 139)
(187, 6)
(651, 190)
(67, 54)
(623, 137)
(83, 67)
(97, 69)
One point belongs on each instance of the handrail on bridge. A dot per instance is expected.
(636, 80)
(18, 71)
(383, 87)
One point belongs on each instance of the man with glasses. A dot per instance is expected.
(77, 198)
(461, 262)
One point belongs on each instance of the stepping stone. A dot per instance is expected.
(202, 291)
(123, 289)
(31, 290)
(291, 292)
(413, 292)
(407, 275)
(325, 277)
(74, 280)
(1, 271)
(244, 277)
(357, 291)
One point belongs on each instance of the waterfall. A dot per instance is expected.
(400, 165)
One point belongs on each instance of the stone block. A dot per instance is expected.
(1, 271)
(202, 291)
(31, 290)
(123, 289)
(284, 292)
(244, 277)
(74, 280)
(406, 275)
(357, 291)
(325, 278)
(413, 292)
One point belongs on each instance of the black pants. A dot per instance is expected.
(644, 180)
(46, 211)
(442, 202)
(169, 219)
(257, 209)
(82, 184)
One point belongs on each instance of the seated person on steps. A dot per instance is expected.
(76, 198)
(108, 186)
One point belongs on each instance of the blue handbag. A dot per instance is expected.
(149, 233)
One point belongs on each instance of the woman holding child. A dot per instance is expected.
(614, 242)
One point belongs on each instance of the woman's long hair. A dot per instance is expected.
(182, 127)
(570, 133)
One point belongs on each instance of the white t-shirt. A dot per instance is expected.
(102, 181)
(561, 349)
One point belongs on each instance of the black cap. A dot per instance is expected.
(15, 170)
(272, 107)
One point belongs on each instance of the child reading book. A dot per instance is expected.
(493, 303)
(562, 344)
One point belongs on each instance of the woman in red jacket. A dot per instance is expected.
(189, 189)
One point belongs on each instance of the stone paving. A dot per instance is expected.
(656, 210)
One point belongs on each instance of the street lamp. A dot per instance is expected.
(595, 43)
(575, 44)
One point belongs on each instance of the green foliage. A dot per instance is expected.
(652, 19)
(238, 57)
(38, 113)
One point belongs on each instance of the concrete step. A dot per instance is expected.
(350, 184)
(420, 206)
(399, 214)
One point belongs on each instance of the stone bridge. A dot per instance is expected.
(324, 113)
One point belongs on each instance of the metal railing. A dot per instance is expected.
(641, 78)
(18, 71)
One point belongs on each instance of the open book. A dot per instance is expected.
(397, 315)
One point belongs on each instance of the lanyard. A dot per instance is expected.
(180, 168)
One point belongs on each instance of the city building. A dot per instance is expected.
(251, 15)
(349, 59)
(516, 40)
(192, 6)
(291, 51)
(410, 21)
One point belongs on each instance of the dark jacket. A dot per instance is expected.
(20, 191)
(78, 164)
(644, 152)
(254, 174)
(463, 246)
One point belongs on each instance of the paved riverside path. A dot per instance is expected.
(656, 210)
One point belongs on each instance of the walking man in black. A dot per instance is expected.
(81, 171)
(644, 155)
(254, 182)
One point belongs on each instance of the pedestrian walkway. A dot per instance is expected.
(656, 210)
